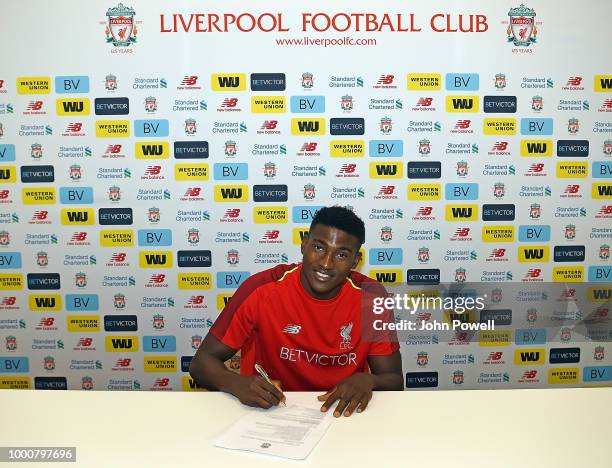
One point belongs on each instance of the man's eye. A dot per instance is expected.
(318, 248)
(342, 256)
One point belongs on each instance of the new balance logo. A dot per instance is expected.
(229, 102)
(292, 329)
(424, 102)
(232, 213)
(189, 80)
(385, 80)
(309, 147)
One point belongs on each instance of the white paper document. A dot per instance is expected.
(288, 432)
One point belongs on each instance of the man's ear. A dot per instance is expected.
(357, 260)
(304, 241)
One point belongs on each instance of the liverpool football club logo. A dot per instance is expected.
(80, 280)
(269, 170)
(193, 236)
(158, 322)
(110, 82)
(604, 252)
(424, 147)
(422, 359)
(75, 172)
(500, 81)
(150, 104)
(346, 102)
(386, 234)
(423, 255)
(307, 81)
(386, 125)
(121, 30)
(36, 151)
(462, 168)
(537, 104)
(345, 334)
(309, 192)
(190, 126)
(522, 30)
(499, 190)
(119, 301)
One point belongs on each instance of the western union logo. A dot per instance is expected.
(160, 364)
(231, 193)
(71, 217)
(11, 281)
(499, 126)
(308, 126)
(462, 104)
(386, 170)
(112, 128)
(40, 196)
(573, 169)
(424, 81)
(190, 385)
(72, 106)
(566, 375)
(115, 238)
(154, 259)
(461, 212)
(569, 274)
(498, 234)
(271, 215)
(121, 344)
(224, 82)
(603, 83)
(268, 104)
(191, 172)
(424, 192)
(347, 148)
(527, 357)
(539, 148)
(33, 85)
(222, 300)
(195, 280)
(81, 323)
(15, 383)
(533, 254)
(8, 174)
(495, 338)
(386, 276)
(45, 302)
(599, 294)
(152, 150)
(601, 191)
(298, 235)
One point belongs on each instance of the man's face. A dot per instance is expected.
(329, 255)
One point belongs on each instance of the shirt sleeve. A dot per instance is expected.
(236, 323)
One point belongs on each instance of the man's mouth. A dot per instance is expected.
(322, 276)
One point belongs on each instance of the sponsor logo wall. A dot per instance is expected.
(147, 170)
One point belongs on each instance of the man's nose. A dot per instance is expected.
(327, 261)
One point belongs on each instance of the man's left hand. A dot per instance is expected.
(353, 393)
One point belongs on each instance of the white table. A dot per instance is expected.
(472, 428)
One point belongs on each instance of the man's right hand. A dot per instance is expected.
(255, 391)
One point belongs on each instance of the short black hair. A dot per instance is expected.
(340, 218)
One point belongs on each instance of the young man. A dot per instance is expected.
(303, 324)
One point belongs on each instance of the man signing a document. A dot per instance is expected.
(303, 324)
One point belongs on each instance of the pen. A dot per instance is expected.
(260, 370)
